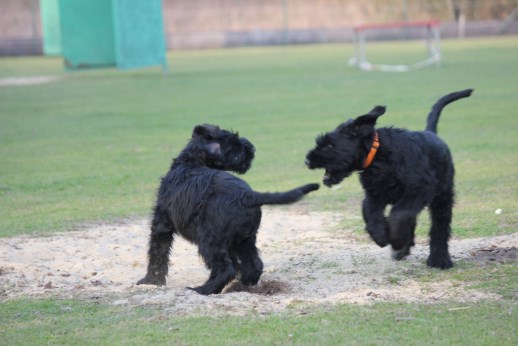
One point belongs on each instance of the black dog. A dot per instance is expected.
(405, 169)
(213, 209)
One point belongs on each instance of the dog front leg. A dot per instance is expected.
(375, 222)
(160, 242)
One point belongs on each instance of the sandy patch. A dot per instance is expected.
(33, 80)
(307, 259)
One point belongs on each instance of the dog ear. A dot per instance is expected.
(214, 148)
(206, 131)
(364, 125)
(209, 133)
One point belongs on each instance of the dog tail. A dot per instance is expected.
(433, 117)
(257, 199)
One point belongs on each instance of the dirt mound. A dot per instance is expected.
(307, 260)
(265, 287)
(495, 254)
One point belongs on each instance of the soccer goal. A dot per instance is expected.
(432, 36)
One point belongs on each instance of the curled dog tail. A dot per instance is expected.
(433, 117)
(257, 199)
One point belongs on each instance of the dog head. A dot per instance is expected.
(221, 149)
(343, 150)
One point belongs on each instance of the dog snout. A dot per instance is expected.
(247, 144)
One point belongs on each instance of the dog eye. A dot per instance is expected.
(329, 146)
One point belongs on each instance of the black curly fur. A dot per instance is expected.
(213, 209)
(411, 170)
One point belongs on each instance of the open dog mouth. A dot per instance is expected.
(328, 179)
(327, 176)
(332, 178)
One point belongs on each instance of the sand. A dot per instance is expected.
(23, 81)
(308, 260)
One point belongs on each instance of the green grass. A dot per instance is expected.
(69, 322)
(51, 321)
(94, 145)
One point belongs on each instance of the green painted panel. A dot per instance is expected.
(51, 28)
(139, 33)
(87, 33)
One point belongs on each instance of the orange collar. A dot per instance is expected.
(372, 152)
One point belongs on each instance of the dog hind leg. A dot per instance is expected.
(251, 264)
(402, 222)
(222, 270)
(402, 228)
(441, 215)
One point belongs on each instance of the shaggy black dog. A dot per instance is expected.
(405, 169)
(213, 209)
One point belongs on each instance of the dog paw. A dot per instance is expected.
(439, 261)
(250, 280)
(201, 290)
(151, 281)
(400, 254)
(381, 240)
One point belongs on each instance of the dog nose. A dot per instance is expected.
(306, 161)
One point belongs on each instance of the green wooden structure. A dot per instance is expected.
(51, 27)
(101, 33)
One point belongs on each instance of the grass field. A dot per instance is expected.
(67, 322)
(93, 146)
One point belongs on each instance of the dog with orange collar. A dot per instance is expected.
(408, 170)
